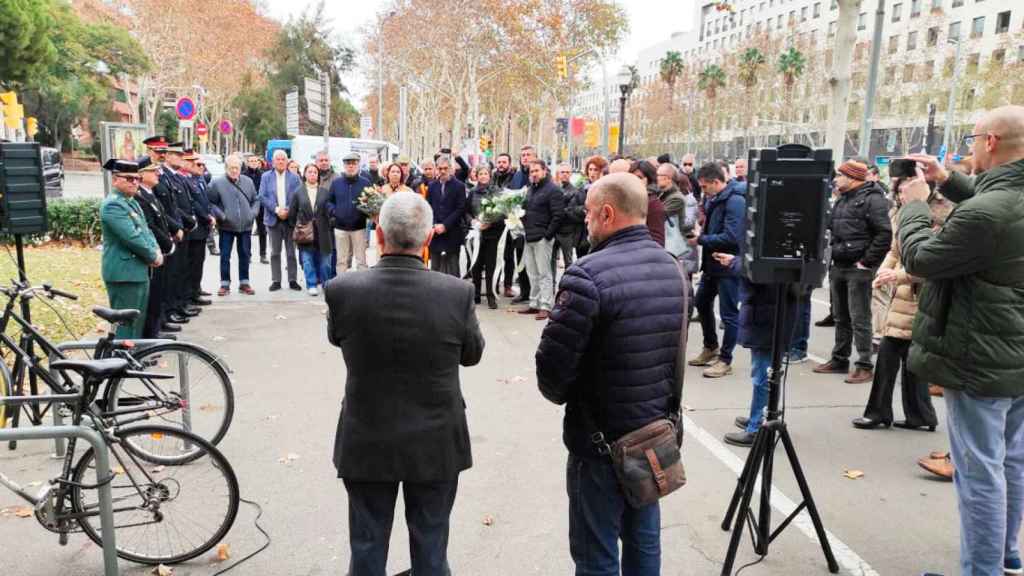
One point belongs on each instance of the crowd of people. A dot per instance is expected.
(924, 277)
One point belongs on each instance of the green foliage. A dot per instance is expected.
(262, 115)
(77, 219)
(792, 63)
(751, 62)
(167, 125)
(25, 44)
(712, 78)
(672, 68)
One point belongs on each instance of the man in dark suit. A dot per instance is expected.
(447, 197)
(403, 331)
(277, 187)
(157, 221)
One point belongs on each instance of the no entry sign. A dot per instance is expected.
(201, 129)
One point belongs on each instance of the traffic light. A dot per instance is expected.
(13, 112)
(31, 126)
(563, 66)
(485, 143)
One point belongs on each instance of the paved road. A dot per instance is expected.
(894, 521)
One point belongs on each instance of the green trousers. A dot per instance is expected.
(129, 296)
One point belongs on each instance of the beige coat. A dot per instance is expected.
(899, 319)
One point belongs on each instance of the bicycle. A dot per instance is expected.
(160, 475)
(201, 402)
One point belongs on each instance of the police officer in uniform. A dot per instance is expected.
(167, 191)
(129, 248)
(157, 221)
(200, 206)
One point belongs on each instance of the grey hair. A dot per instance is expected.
(280, 152)
(405, 220)
(233, 159)
(321, 153)
(443, 159)
(668, 167)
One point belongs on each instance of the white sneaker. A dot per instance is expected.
(314, 292)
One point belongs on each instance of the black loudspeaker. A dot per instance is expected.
(22, 189)
(787, 213)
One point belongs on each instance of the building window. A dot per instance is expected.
(972, 63)
(1003, 22)
(862, 21)
(954, 31)
(1020, 54)
(908, 73)
(936, 5)
(897, 12)
(999, 57)
(915, 8)
(890, 75)
(929, 69)
(803, 14)
(912, 41)
(894, 44)
(817, 9)
(933, 36)
(832, 30)
(833, 5)
(978, 27)
(770, 24)
(778, 23)
(958, 3)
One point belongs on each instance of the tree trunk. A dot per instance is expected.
(842, 59)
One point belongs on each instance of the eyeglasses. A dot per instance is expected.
(969, 140)
(133, 179)
(687, 163)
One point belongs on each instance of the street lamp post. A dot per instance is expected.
(951, 105)
(625, 87)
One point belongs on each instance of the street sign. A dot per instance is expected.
(201, 129)
(185, 108)
(365, 127)
(291, 112)
(317, 100)
(224, 126)
(592, 134)
(186, 123)
(576, 126)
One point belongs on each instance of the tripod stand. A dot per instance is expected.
(761, 459)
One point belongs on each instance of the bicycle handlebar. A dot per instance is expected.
(50, 290)
(22, 290)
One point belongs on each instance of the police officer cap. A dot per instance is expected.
(145, 164)
(156, 143)
(176, 148)
(118, 166)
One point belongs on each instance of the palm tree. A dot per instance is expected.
(712, 77)
(671, 69)
(791, 65)
(634, 77)
(750, 65)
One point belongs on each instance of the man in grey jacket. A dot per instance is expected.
(234, 202)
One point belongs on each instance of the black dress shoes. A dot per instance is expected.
(204, 293)
(741, 422)
(191, 311)
(870, 423)
(294, 286)
(492, 302)
(274, 286)
(906, 426)
(826, 322)
(168, 327)
(201, 302)
(177, 318)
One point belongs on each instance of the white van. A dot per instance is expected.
(305, 149)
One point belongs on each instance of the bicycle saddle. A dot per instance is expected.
(116, 316)
(98, 369)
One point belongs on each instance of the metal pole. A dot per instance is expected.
(951, 105)
(380, 83)
(869, 96)
(604, 104)
(324, 77)
(622, 124)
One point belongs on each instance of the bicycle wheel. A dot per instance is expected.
(6, 389)
(165, 511)
(200, 382)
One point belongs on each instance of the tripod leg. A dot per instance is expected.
(812, 510)
(748, 476)
(764, 519)
(748, 479)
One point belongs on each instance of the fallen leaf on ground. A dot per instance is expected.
(853, 474)
(518, 380)
(488, 520)
(688, 408)
(162, 570)
(223, 552)
(280, 317)
(157, 470)
(208, 408)
(288, 458)
(117, 470)
(219, 338)
(23, 511)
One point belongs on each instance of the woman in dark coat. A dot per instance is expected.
(490, 233)
(310, 206)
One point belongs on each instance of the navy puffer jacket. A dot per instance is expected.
(725, 226)
(612, 341)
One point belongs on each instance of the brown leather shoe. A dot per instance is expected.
(831, 367)
(246, 289)
(935, 390)
(224, 291)
(525, 311)
(943, 468)
(860, 376)
(542, 315)
(706, 357)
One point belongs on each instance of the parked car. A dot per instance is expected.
(53, 171)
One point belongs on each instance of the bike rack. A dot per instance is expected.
(102, 471)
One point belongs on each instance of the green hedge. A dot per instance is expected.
(77, 219)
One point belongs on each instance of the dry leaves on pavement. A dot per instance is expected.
(223, 552)
(162, 570)
(853, 474)
(488, 520)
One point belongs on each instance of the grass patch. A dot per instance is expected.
(74, 269)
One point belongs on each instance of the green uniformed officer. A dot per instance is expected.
(129, 248)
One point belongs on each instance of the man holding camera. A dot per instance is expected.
(969, 331)
(861, 237)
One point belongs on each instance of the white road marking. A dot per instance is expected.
(849, 561)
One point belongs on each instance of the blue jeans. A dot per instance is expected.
(599, 517)
(760, 362)
(802, 331)
(727, 290)
(227, 240)
(986, 437)
(315, 266)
